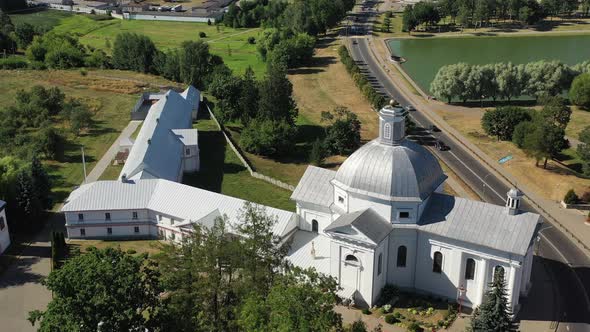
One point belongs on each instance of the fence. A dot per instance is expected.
(245, 161)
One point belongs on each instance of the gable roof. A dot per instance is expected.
(315, 187)
(183, 202)
(479, 223)
(187, 136)
(368, 222)
(157, 151)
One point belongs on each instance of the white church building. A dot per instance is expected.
(380, 219)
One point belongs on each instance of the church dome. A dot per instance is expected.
(391, 172)
(391, 167)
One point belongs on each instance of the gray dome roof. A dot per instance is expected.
(406, 171)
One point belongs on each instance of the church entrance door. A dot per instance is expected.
(349, 272)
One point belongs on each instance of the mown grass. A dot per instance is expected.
(137, 246)
(110, 100)
(221, 171)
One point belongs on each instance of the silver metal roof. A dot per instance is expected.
(187, 136)
(183, 202)
(479, 223)
(367, 221)
(315, 187)
(406, 171)
(157, 152)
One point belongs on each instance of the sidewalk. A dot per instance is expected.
(569, 221)
(108, 157)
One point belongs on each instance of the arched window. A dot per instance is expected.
(379, 263)
(387, 131)
(352, 260)
(498, 272)
(437, 262)
(470, 269)
(402, 252)
(314, 226)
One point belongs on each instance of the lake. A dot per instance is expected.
(426, 56)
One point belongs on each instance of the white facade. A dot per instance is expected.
(4, 234)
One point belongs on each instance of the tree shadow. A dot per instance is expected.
(21, 273)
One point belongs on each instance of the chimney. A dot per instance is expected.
(124, 177)
(513, 201)
(392, 124)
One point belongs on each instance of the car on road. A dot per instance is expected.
(409, 108)
(433, 128)
(355, 42)
(441, 146)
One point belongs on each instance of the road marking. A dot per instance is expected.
(479, 177)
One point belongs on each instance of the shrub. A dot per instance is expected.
(580, 90)
(414, 327)
(202, 34)
(267, 137)
(13, 63)
(131, 251)
(571, 197)
(390, 319)
(585, 197)
(366, 311)
(386, 309)
(251, 40)
(83, 72)
(398, 315)
(37, 65)
(318, 153)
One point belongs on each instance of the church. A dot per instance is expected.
(381, 218)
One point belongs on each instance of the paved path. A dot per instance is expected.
(20, 287)
(108, 157)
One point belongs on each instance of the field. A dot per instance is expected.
(222, 172)
(139, 246)
(111, 94)
(557, 178)
(231, 44)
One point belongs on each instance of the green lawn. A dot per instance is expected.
(48, 18)
(110, 101)
(221, 171)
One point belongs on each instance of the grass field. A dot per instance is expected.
(110, 99)
(221, 171)
(231, 44)
(139, 246)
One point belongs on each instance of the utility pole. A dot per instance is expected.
(84, 164)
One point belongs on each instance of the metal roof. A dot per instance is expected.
(187, 136)
(157, 151)
(367, 221)
(315, 187)
(479, 223)
(183, 202)
(392, 172)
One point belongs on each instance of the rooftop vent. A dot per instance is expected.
(149, 141)
(124, 177)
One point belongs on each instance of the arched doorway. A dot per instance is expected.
(350, 272)
(314, 226)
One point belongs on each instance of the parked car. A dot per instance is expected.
(441, 146)
(433, 128)
(410, 108)
(354, 41)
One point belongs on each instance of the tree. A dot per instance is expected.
(580, 90)
(494, 313)
(318, 153)
(195, 63)
(268, 137)
(227, 89)
(249, 96)
(78, 116)
(547, 78)
(299, 300)
(344, 135)
(106, 288)
(24, 33)
(29, 207)
(409, 21)
(446, 84)
(583, 149)
(544, 142)
(276, 102)
(502, 121)
(132, 51)
(41, 183)
(556, 111)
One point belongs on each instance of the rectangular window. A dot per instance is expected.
(340, 199)
(136, 229)
(159, 217)
(379, 264)
(2, 223)
(171, 221)
(80, 216)
(82, 232)
(172, 236)
(107, 216)
(109, 231)
(188, 152)
(134, 215)
(403, 215)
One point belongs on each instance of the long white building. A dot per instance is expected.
(380, 219)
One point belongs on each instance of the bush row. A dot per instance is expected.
(376, 99)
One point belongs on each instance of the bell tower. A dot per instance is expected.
(392, 124)
(513, 201)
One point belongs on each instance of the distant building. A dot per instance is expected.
(135, 7)
(4, 234)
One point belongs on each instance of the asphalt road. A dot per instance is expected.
(566, 264)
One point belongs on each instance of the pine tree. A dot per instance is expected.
(28, 205)
(318, 153)
(494, 313)
(41, 183)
